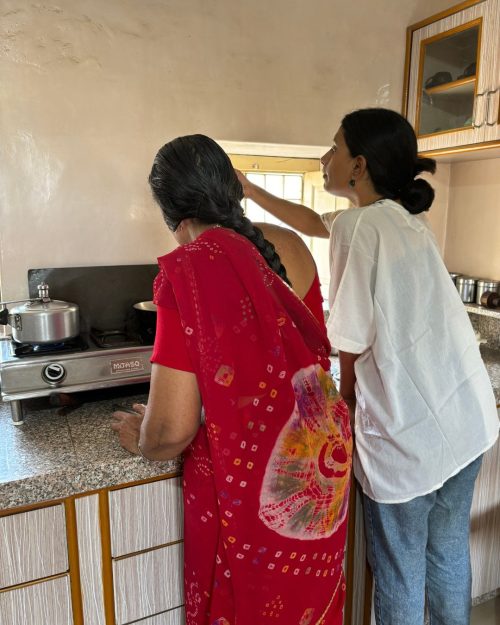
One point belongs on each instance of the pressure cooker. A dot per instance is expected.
(41, 320)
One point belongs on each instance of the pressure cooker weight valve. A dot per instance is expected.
(53, 373)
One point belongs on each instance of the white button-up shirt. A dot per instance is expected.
(425, 406)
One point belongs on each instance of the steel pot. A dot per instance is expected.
(42, 321)
(145, 314)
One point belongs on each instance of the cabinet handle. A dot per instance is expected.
(478, 95)
(488, 95)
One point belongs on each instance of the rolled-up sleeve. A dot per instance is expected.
(329, 218)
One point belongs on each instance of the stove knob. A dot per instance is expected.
(53, 373)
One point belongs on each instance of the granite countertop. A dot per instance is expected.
(59, 452)
(62, 451)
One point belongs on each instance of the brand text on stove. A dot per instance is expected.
(126, 365)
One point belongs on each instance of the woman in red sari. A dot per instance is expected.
(266, 475)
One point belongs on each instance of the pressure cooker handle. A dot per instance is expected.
(4, 317)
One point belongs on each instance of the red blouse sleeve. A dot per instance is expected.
(170, 345)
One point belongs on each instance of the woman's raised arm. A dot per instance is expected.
(296, 216)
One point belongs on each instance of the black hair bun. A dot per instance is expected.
(417, 196)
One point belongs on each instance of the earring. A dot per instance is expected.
(352, 183)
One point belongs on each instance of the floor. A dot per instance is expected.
(487, 613)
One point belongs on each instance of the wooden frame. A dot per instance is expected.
(441, 88)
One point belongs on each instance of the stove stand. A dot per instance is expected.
(94, 368)
(17, 412)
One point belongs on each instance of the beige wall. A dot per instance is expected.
(426, 8)
(438, 213)
(473, 229)
(91, 88)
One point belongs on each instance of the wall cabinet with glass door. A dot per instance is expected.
(452, 81)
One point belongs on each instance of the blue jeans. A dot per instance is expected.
(421, 548)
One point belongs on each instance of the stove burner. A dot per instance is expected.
(108, 339)
(76, 344)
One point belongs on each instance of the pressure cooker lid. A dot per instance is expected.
(37, 306)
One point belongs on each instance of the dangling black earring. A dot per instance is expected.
(352, 183)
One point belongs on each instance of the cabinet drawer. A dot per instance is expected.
(40, 604)
(148, 583)
(32, 545)
(172, 617)
(145, 516)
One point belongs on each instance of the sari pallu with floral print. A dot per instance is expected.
(266, 480)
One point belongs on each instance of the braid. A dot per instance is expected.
(236, 220)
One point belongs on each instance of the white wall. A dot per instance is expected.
(91, 89)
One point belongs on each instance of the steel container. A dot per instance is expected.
(485, 284)
(466, 288)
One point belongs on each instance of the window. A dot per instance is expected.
(287, 186)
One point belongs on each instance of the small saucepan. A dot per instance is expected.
(145, 314)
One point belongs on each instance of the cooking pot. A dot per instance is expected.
(145, 314)
(42, 320)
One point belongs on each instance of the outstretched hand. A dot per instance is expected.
(127, 424)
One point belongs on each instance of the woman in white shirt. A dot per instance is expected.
(419, 393)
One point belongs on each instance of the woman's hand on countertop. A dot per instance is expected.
(127, 424)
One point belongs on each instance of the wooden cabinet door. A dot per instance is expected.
(32, 545)
(172, 617)
(485, 525)
(491, 60)
(148, 583)
(456, 110)
(145, 516)
(90, 559)
(46, 603)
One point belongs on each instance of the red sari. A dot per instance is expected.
(266, 479)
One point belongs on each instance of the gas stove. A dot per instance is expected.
(44, 373)
(96, 359)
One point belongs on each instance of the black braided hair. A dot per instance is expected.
(192, 177)
(388, 143)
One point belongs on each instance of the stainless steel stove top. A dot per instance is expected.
(94, 368)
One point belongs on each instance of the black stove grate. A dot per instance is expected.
(109, 339)
(76, 344)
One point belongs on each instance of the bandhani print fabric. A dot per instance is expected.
(307, 474)
(266, 479)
